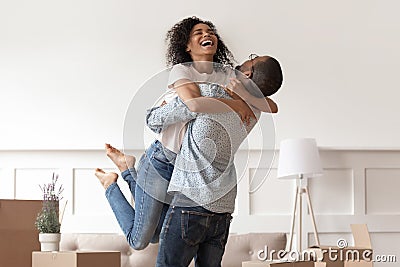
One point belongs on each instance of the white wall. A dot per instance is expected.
(68, 70)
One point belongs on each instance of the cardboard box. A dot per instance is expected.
(282, 264)
(76, 259)
(18, 235)
(358, 255)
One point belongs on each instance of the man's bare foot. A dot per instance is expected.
(106, 179)
(122, 161)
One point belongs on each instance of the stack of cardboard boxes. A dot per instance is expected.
(20, 247)
(76, 259)
(18, 235)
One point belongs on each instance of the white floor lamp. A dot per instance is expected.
(299, 159)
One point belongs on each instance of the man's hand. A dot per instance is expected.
(238, 92)
(236, 89)
(244, 111)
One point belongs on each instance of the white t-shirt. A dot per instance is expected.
(172, 136)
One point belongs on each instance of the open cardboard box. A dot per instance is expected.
(18, 235)
(76, 259)
(358, 255)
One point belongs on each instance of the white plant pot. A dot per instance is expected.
(49, 242)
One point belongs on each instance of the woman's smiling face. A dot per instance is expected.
(203, 43)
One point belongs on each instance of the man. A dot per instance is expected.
(204, 177)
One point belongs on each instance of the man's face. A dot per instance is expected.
(248, 66)
(247, 69)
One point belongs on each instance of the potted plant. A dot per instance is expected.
(48, 220)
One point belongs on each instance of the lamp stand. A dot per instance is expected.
(300, 191)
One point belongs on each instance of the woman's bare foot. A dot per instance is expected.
(106, 179)
(122, 161)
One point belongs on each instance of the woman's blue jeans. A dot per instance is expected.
(142, 224)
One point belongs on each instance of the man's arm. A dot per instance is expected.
(237, 90)
(158, 118)
(263, 104)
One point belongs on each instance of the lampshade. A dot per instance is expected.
(299, 156)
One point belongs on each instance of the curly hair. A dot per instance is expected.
(178, 37)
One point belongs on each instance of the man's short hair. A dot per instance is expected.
(267, 76)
